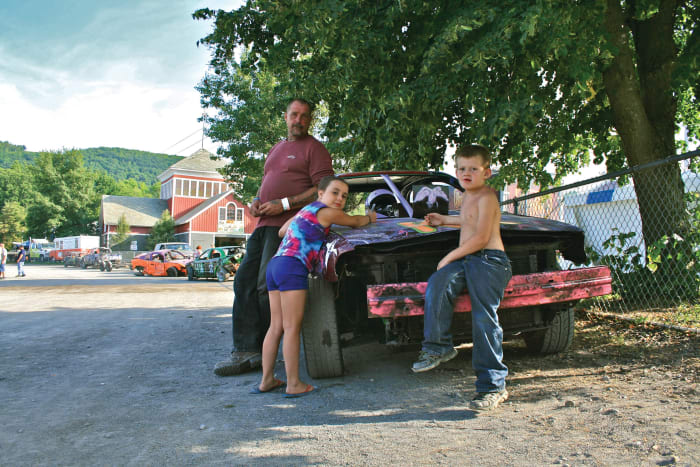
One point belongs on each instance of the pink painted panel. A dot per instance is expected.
(407, 299)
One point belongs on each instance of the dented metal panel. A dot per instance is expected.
(407, 299)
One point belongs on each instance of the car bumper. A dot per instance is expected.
(407, 299)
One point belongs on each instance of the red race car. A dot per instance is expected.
(160, 263)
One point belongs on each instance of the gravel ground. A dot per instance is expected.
(107, 368)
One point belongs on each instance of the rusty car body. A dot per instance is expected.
(170, 263)
(373, 278)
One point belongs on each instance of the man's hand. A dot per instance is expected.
(271, 208)
(255, 208)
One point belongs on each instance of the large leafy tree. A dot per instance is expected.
(543, 83)
(12, 218)
(162, 231)
(67, 202)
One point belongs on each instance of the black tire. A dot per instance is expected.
(83, 265)
(102, 267)
(108, 266)
(190, 273)
(171, 272)
(324, 357)
(138, 271)
(557, 337)
(65, 263)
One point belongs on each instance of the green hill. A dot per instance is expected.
(120, 163)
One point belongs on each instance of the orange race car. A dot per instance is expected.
(160, 263)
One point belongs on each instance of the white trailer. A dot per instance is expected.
(80, 244)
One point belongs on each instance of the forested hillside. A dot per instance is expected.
(119, 163)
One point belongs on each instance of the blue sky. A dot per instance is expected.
(87, 73)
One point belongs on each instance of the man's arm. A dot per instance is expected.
(274, 207)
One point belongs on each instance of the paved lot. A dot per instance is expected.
(108, 368)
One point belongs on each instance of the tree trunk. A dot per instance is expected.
(638, 85)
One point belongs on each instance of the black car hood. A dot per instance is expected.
(393, 233)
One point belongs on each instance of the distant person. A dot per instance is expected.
(21, 258)
(198, 251)
(287, 280)
(291, 174)
(3, 260)
(480, 265)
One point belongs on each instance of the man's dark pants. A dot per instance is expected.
(251, 304)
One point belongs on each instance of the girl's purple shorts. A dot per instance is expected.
(287, 273)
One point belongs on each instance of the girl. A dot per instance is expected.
(287, 280)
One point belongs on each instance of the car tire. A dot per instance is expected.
(65, 264)
(102, 267)
(324, 357)
(222, 275)
(171, 272)
(108, 266)
(557, 337)
(83, 265)
(138, 271)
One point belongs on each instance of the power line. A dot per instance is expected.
(188, 147)
(183, 139)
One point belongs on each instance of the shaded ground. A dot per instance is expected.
(105, 368)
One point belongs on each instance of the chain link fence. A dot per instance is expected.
(642, 222)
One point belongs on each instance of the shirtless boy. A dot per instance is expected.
(480, 265)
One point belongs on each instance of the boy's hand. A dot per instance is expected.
(433, 218)
(443, 262)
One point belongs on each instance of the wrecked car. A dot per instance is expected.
(218, 263)
(169, 263)
(372, 279)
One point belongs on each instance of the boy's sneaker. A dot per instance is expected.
(488, 400)
(428, 361)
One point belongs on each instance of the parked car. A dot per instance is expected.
(160, 263)
(182, 247)
(220, 263)
(71, 258)
(373, 278)
(102, 258)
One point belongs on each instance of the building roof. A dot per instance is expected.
(200, 208)
(142, 212)
(201, 161)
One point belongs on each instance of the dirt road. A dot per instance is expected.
(107, 368)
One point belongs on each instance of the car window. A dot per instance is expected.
(205, 255)
(174, 254)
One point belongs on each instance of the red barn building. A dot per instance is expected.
(205, 210)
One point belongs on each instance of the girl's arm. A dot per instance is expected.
(283, 229)
(328, 216)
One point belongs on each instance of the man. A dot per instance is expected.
(3, 260)
(21, 258)
(292, 171)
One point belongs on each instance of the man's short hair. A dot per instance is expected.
(473, 150)
(303, 101)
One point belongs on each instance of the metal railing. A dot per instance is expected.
(660, 275)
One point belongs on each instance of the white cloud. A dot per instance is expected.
(121, 76)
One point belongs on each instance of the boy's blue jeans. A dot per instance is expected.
(485, 275)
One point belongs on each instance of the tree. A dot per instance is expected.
(123, 231)
(12, 218)
(66, 202)
(542, 83)
(162, 231)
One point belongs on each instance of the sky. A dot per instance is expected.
(90, 73)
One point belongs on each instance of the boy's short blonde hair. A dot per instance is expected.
(474, 150)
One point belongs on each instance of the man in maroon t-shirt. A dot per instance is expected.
(292, 171)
